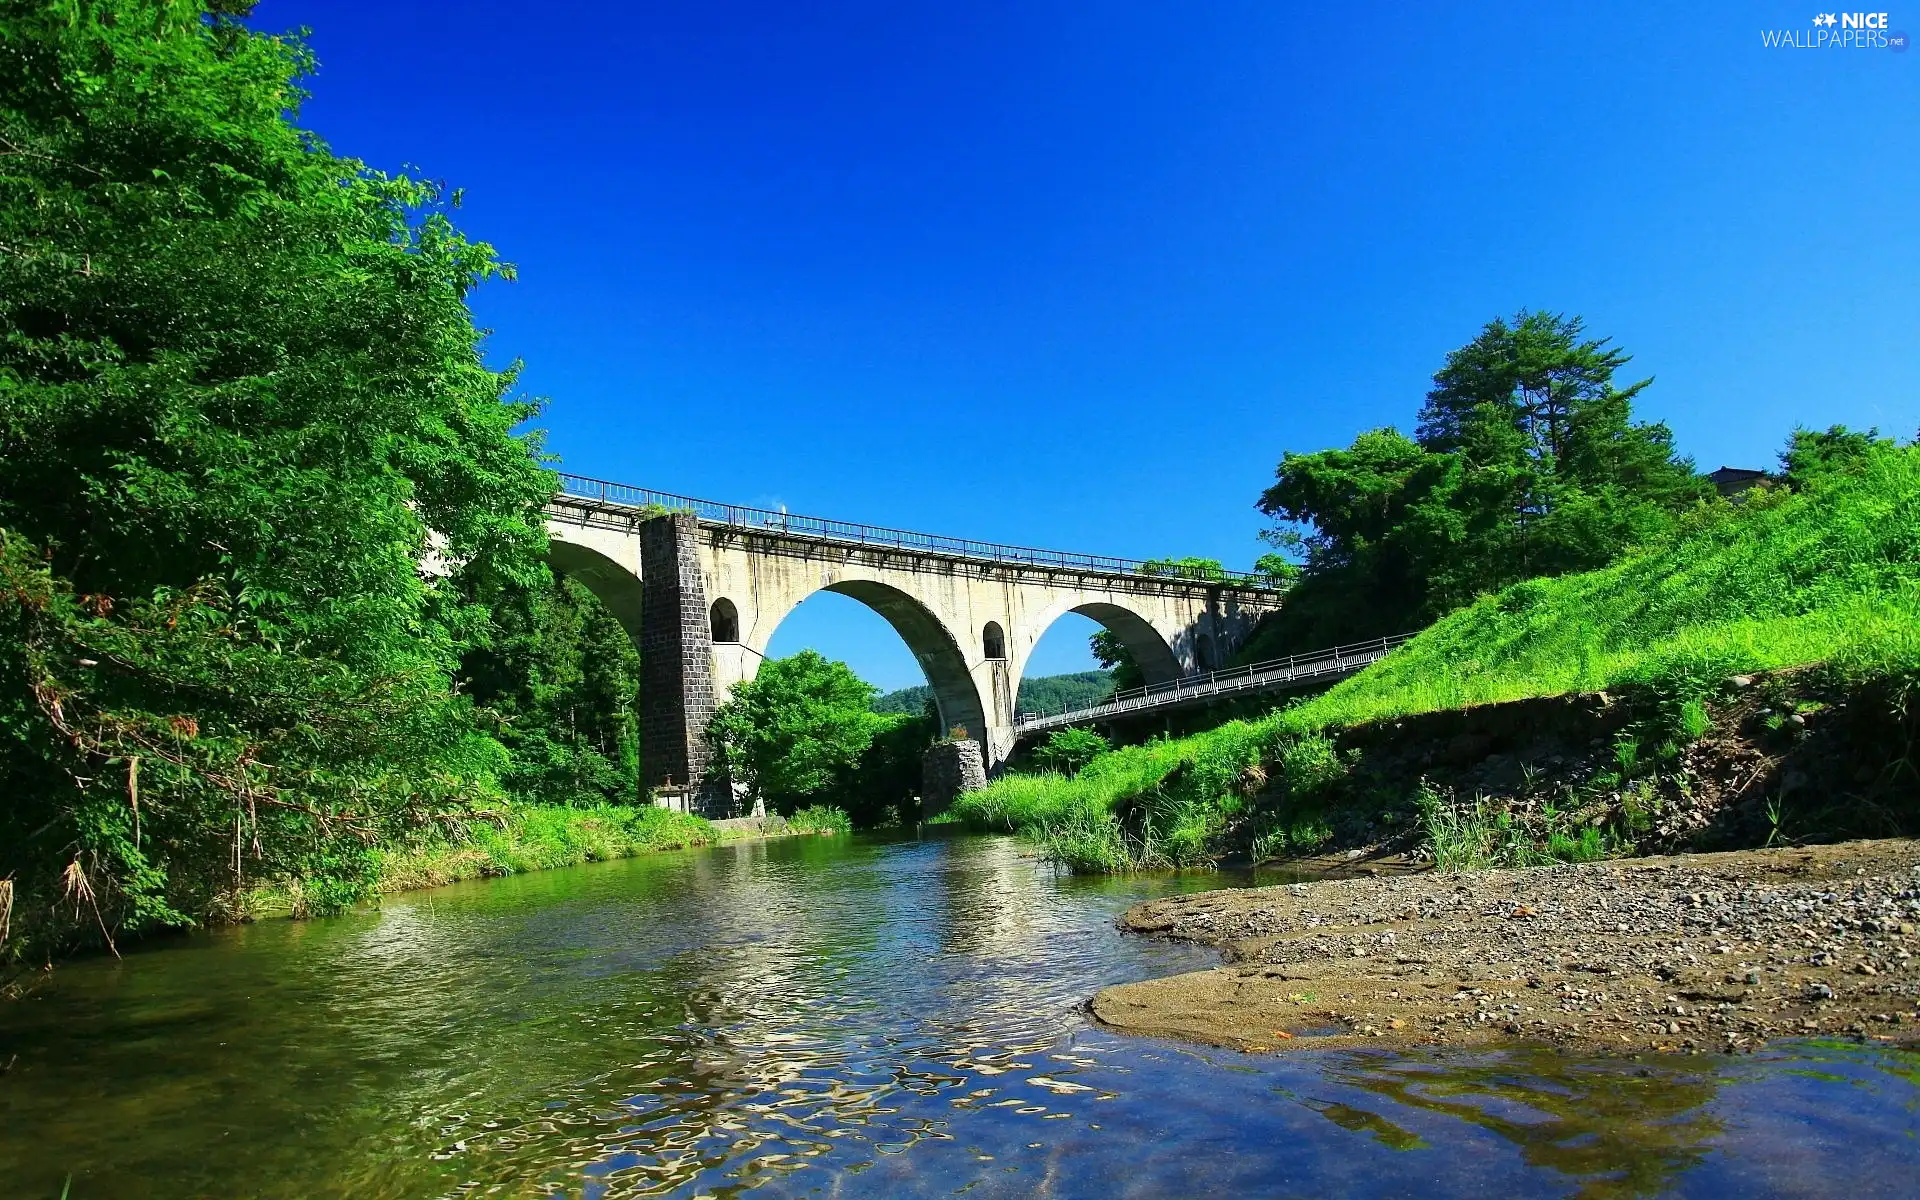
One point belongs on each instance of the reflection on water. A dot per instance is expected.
(812, 1017)
(1620, 1129)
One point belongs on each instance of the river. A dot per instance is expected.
(844, 1017)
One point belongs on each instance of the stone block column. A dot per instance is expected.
(948, 770)
(676, 667)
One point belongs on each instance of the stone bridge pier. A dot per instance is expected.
(702, 599)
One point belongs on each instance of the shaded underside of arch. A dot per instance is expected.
(1149, 650)
(933, 646)
(614, 586)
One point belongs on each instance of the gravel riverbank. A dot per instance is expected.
(1699, 952)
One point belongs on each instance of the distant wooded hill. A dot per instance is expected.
(1049, 693)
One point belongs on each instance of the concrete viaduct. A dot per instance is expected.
(702, 586)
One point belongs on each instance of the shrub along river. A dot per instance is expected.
(821, 1017)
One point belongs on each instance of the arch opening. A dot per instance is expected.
(993, 640)
(1149, 651)
(723, 621)
(614, 586)
(935, 650)
(933, 646)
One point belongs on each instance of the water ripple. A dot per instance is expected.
(820, 1018)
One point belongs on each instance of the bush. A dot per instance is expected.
(820, 818)
(1068, 750)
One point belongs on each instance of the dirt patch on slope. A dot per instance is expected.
(1698, 952)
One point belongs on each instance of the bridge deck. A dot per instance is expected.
(600, 495)
(1301, 670)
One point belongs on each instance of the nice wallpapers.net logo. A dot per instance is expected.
(1838, 31)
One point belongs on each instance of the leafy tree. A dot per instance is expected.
(558, 683)
(1526, 462)
(1111, 653)
(1813, 453)
(241, 402)
(1068, 750)
(883, 786)
(798, 725)
(1278, 570)
(1189, 567)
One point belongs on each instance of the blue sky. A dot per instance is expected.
(1077, 275)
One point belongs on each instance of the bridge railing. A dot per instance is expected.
(626, 496)
(1318, 662)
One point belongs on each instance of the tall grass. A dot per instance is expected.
(1785, 579)
(1469, 834)
(538, 837)
(821, 819)
(1830, 574)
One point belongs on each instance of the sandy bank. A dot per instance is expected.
(1715, 952)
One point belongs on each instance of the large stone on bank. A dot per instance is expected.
(950, 769)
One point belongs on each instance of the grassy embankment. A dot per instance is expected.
(540, 837)
(1830, 575)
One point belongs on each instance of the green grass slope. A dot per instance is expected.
(1828, 574)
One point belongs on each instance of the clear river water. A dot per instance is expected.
(850, 1017)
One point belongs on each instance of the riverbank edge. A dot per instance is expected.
(1686, 953)
(529, 838)
(1811, 753)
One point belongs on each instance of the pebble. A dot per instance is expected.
(1729, 944)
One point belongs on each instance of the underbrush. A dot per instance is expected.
(820, 819)
(1476, 833)
(1829, 575)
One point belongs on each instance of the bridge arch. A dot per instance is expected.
(933, 645)
(615, 586)
(1151, 651)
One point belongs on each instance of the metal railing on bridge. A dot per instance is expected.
(1273, 675)
(580, 488)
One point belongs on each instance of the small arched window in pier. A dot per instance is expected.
(726, 621)
(993, 641)
(1203, 652)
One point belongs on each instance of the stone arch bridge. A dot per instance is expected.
(702, 586)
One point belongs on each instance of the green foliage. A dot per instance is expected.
(906, 701)
(1057, 693)
(799, 724)
(883, 786)
(558, 681)
(1811, 454)
(799, 728)
(1830, 573)
(1168, 799)
(1526, 463)
(242, 399)
(1476, 834)
(1045, 693)
(1112, 654)
(1211, 569)
(1068, 750)
(820, 818)
(524, 837)
(1277, 570)
(1086, 842)
(1461, 837)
